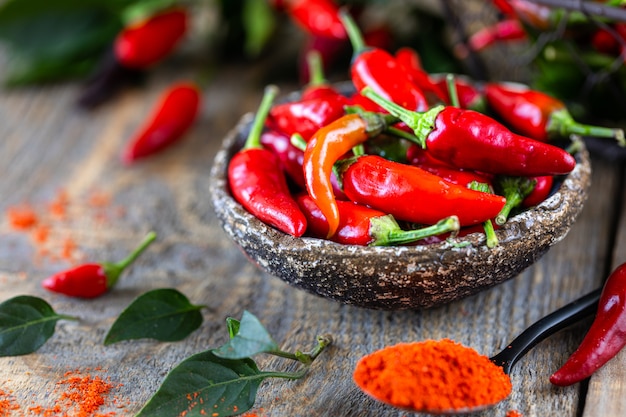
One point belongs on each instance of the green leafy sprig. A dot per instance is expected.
(224, 381)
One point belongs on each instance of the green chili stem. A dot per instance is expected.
(515, 190)
(114, 270)
(254, 137)
(562, 122)
(421, 123)
(316, 69)
(386, 231)
(452, 92)
(490, 233)
(306, 357)
(354, 34)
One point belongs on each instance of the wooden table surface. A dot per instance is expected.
(49, 149)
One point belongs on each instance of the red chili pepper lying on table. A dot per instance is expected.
(257, 181)
(469, 139)
(93, 279)
(145, 43)
(606, 336)
(317, 17)
(168, 122)
(539, 115)
(361, 225)
(412, 194)
(378, 69)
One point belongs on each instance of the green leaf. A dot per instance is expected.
(163, 314)
(26, 323)
(204, 384)
(251, 339)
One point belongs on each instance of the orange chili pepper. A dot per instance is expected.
(324, 148)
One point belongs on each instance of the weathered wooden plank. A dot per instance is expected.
(607, 387)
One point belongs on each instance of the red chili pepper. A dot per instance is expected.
(410, 60)
(317, 17)
(541, 191)
(305, 116)
(290, 157)
(412, 194)
(329, 144)
(258, 183)
(539, 115)
(145, 43)
(505, 30)
(606, 336)
(170, 119)
(364, 226)
(93, 279)
(420, 157)
(471, 140)
(317, 87)
(378, 69)
(469, 96)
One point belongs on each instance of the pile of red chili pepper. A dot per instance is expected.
(404, 158)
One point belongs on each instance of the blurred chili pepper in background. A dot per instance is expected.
(257, 180)
(364, 226)
(412, 194)
(145, 43)
(606, 336)
(410, 61)
(503, 31)
(379, 69)
(317, 17)
(171, 118)
(539, 115)
(93, 279)
(469, 139)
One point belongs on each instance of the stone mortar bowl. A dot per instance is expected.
(399, 277)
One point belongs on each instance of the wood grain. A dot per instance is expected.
(47, 146)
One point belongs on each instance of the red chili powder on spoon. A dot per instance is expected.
(432, 375)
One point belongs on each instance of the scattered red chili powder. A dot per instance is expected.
(432, 375)
(7, 404)
(513, 413)
(22, 217)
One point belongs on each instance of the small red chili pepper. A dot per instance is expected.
(318, 86)
(469, 96)
(412, 194)
(409, 59)
(317, 17)
(379, 69)
(290, 157)
(505, 30)
(471, 140)
(93, 279)
(258, 182)
(606, 336)
(146, 43)
(541, 191)
(364, 226)
(539, 115)
(170, 119)
(329, 144)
